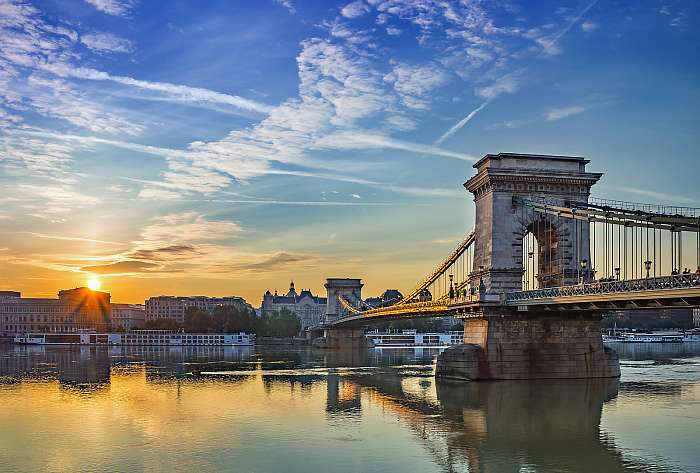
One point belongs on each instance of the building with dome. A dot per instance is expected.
(306, 306)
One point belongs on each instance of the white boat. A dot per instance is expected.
(411, 338)
(647, 338)
(138, 337)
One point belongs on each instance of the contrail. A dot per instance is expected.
(568, 27)
(460, 124)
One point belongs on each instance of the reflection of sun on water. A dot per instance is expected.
(94, 284)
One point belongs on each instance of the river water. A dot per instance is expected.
(253, 410)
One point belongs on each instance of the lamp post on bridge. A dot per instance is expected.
(452, 289)
(584, 265)
(482, 286)
(647, 266)
(617, 273)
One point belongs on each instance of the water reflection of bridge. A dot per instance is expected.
(479, 427)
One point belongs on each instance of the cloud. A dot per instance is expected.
(355, 9)
(113, 7)
(549, 44)
(393, 31)
(365, 140)
(27, 45)
(280, 261)
(288, 5)
(415, 84)
(177, 92)
(401, 123)
(106, 42)
(460, 124)
(589, 26)
(55, 202)
(70, 238)
(186, 227)
(661, 196)
(447, 240)
(558, 113)
(506, 84)
(56, 98)
(121, 267)
(165, 252)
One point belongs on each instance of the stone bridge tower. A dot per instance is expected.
(502, 223)
(349, 288)
(505, 342)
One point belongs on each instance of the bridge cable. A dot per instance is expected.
(680, 251)
(625, 250)
(594, 253)
(697, 254)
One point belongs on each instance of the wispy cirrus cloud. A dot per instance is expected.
(54, 202)
(113, 7)
(558, 113)
(177, 92)
(288, 5)
(106, 42)
(358, 140)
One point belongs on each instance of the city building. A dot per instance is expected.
(174, 307)
(389, 297)
(307, 307)
(128, 316)
(74, 310)
(696, 318)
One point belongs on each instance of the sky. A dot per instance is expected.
(228, 147)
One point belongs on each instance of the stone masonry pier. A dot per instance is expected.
(530, 346)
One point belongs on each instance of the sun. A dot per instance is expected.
(94, 284)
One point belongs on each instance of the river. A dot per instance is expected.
(266, 410)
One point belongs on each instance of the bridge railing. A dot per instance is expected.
(609, 287)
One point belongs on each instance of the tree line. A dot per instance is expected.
(227, 319)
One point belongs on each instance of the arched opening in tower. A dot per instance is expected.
(541, 255)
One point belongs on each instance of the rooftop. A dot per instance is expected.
(553, 157)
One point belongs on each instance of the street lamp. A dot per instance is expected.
(617, 273)
(482, 286)
(452, 289)
(647, 266)
(584, 265)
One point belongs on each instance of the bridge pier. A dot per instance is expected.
(530, 346)
(342, 338)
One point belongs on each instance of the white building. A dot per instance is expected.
(307, 307)
(128, 316)
(174, 307)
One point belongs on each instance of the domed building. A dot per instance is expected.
(306, 306)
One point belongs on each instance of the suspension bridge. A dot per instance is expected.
(544, 261)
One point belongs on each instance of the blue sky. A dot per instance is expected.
(227, 147)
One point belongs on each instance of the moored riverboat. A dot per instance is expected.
(654, 337)
(412, 338)
(138, 337)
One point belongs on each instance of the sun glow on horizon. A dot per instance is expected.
(94, 284)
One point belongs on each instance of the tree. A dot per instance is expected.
(197, 320)
(161, 324)
(230, 319)
(282, 323)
